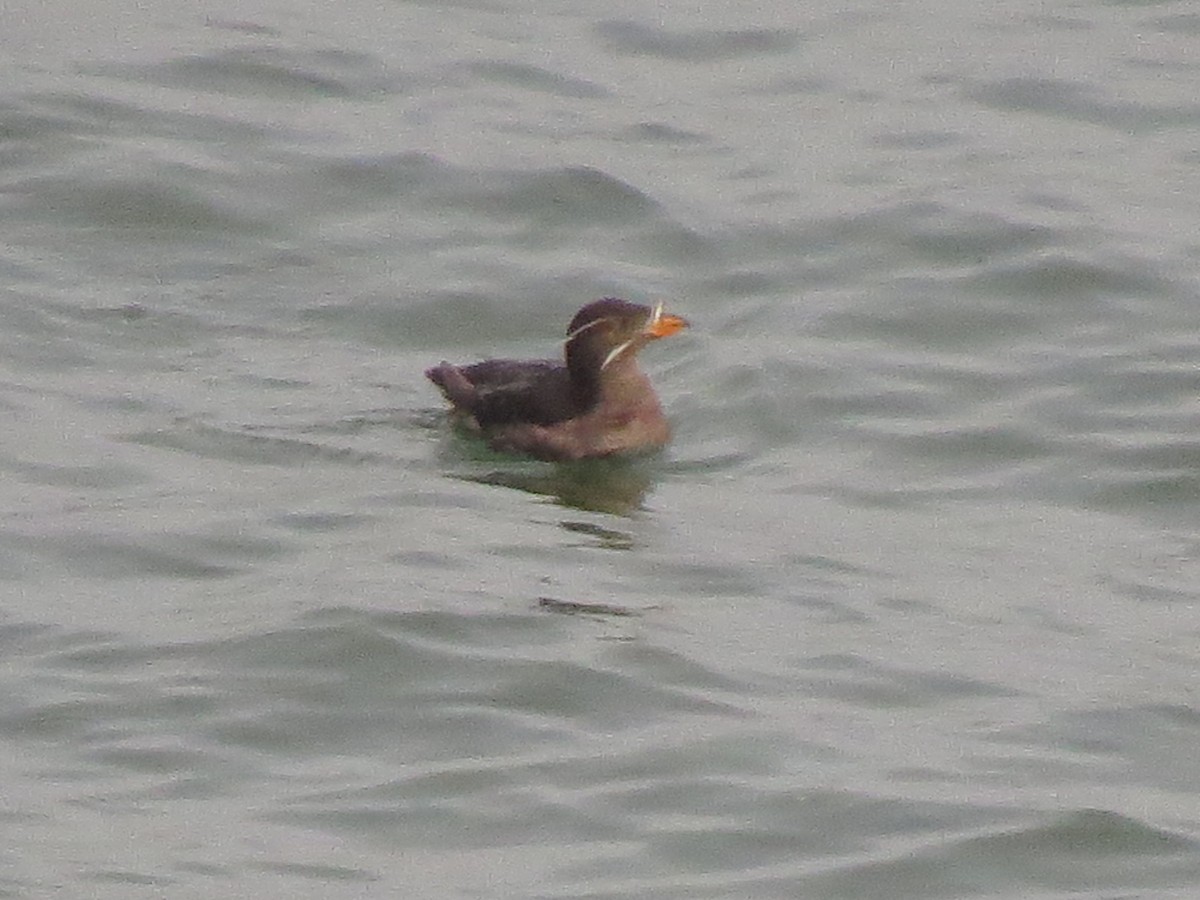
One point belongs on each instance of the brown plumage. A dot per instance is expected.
(596, 403)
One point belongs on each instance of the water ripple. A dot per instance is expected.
(634, 39)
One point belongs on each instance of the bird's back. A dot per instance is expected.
(498, 392)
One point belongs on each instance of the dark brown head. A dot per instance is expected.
(610, 329)
(608, 333)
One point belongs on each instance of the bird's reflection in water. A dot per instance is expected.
(618, 486)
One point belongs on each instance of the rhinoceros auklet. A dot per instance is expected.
(598, 403)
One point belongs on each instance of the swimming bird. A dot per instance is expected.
(595, 403)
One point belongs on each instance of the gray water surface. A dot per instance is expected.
(909, 607)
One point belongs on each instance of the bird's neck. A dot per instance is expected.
(583, 368)
(622, 384)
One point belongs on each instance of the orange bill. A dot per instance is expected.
(663, 324)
